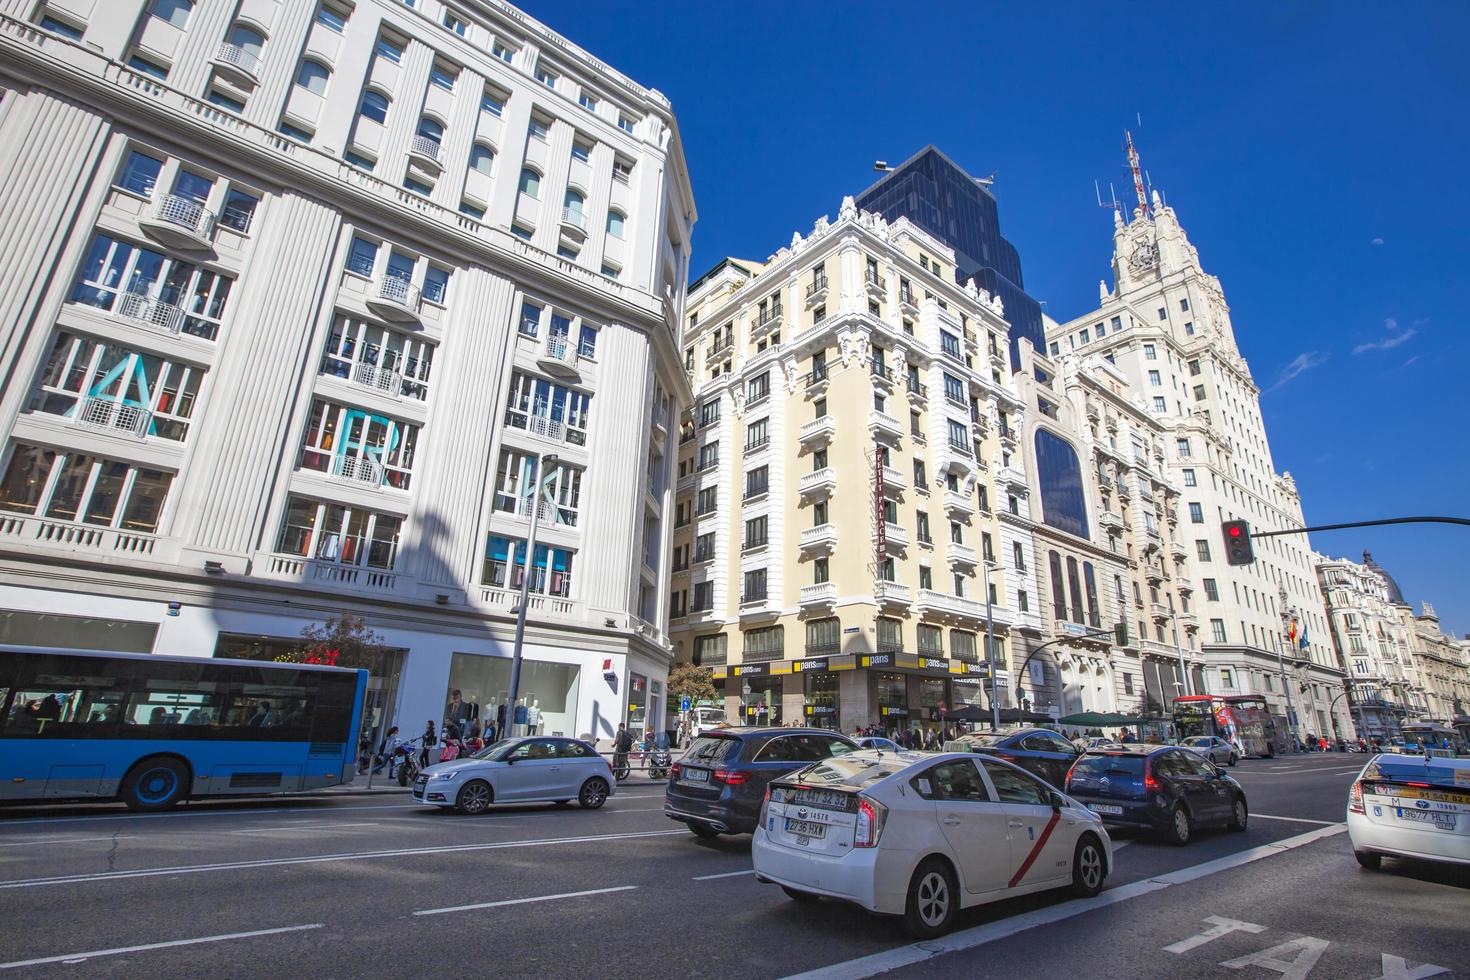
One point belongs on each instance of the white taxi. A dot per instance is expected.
(922, 836)
(1410, 806)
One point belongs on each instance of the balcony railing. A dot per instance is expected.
(906, 297)
(379, 379)
(185, 213)
(918, 388)
(574, 218)
(358, 469)
(817, 289)
(243, 61)
(109, 414)
(559, 355)
(821, 594)
(821, 537)
(767, 317)
(299, 569)
(821, 481)
(882, 422)
(75, 537)
(893, 594)
(426, 147)
(958, 502)
(395, 298)
(876, 283)
(151, 311)
(818, 430)
(894, 479)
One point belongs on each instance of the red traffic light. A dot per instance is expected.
(1234, 531)
(1238, 549)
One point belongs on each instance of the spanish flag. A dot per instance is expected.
(1291, 632)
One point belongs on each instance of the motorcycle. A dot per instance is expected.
(659, 759)
(406, 760)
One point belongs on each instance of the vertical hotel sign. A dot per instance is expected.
(878, 505)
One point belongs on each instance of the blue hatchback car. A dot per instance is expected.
(1162, 788)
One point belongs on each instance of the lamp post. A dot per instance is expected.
(512, 689)
(1281, 667)
(1179, 650)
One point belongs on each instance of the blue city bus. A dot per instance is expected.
(153, 730)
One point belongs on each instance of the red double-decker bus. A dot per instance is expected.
(1242, 720)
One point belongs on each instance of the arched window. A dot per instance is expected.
(430, 128)
(374, 106)
(174, 12)
(247, 39)
(574, 201)
(482, 158)
(313, 76)
(531, 184)
(1063, 504)
(615, 222)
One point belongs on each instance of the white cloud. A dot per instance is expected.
(1396, 335)
(1377, 241)
(1303, 362)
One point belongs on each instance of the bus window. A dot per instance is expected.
(51, 700)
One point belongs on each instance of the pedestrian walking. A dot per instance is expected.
(430, 739)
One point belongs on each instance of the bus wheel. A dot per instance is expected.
(155, 784)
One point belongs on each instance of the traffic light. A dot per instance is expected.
(1238, 550)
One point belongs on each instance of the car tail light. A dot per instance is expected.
(674, 771)
(1355, 797)
(870, 817)
(731, 777)
(1150, 784)
(1073, 768)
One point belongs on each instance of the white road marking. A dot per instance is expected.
(79, 957)
(63, 840)
(637, 809)
(1305, 952)
(727, 874)
(525, 901)
(326, 859)
(1219, 926)
(177, 815)
(299, 828)
(1320, 823)
(893, 959)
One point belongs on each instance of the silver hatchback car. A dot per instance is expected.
(1212, 747)
(519, 770)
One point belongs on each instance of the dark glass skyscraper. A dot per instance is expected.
(934, 193)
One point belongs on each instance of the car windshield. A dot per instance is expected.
(1197, 740)
(1109, 765)
(498, 751)
(711, 749)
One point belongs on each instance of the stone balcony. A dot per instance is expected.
(821, 539)
(818, 484)
(959, 504)
(884, 425)
(817, 432)
(820, 596)
(962, 555)
(892, 595)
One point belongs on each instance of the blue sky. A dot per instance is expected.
(1315, 153)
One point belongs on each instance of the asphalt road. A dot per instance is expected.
(353, 886)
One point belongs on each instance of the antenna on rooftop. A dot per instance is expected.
(1137, 170)
(1113, 204)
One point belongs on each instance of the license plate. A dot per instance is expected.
(1415, 793)
(694, 776)
(1105, 808)
(805, 828)
(1443, 821)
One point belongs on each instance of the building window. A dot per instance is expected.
(1149, 353)
(502, 52)
(505, 562)
(1063, 503)
(1058, 589)
(759, 389)
(615, 220)
(75, 486)
(482, 159)
(709, 413)
(377, 357)
(1202, 550)
(931, 640)
(1212, 591)
(161, 291)
(824, 637)
(1189, 480)
(1182, 447)
(538, 128)
(148, 67)
(492, 103)
(313, 76)
(441, 76)
(358, 446)
(546, 76)
(549, 410)
(111, 387)
(755, 532)
(709, 455)
(140, 173)
(531, 184)
(336, 533)
(61, 27)
(436, 285)
(453, 22)
(625, 123)
(926, 577)
(374, 106)
(757, 482)
(754, 587)
(1217, 629)
(922, 529)
(332, 18)
(172, 12)
(1154, 380)
(1159, 404)
(1196, 514)
(708, 650)
(588, 102)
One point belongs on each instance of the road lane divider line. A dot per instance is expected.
(1320, 823)
(727, 874)
(525, 901)
(327, 859)
(965, 939)
(309, 828)
(65, 840)
(117, 951)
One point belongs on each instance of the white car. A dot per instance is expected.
(1410, 806)
(1212, 747)
(879, 742)
(519, 770)
(921, 836)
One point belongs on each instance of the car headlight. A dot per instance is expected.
(446, 775)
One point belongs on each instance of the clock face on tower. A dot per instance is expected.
(1145, 256)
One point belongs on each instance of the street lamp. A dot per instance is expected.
(543, 465)
(1179, 650)
(1281, 667)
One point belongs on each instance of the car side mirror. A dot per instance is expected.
(1057, 803)
(510, 760)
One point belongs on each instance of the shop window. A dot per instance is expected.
(546, 701)
(823, 637)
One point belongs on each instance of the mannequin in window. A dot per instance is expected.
(533, 717)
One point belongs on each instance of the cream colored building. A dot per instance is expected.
(844, 478)
(1372, 631)
(299, 294)
(1166, 326)
(1442, 665)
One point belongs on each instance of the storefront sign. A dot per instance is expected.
(932, 663)
(878, 505)
(812, 663)
(964, 667)
(878, 660)
(749, 670)
(888, 712)
(819, 709)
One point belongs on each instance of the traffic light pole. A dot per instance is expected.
(1389, 520)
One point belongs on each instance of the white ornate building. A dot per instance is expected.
(297, 297)
(1166, 325)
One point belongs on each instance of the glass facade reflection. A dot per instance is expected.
(1063, 504)
(939, 197)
